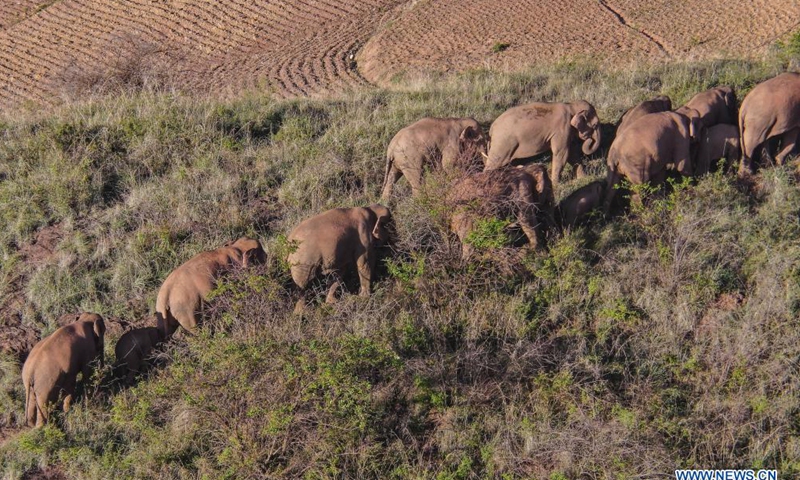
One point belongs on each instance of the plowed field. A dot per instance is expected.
(311, 47)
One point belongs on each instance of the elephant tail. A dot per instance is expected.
(30, 403)
(388, 168)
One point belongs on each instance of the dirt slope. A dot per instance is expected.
(297, 47)
(51, 49)
(447, 35)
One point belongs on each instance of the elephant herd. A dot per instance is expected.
(651, 140)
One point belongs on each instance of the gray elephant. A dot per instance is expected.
(50, 372)
(445, 143)
(183, 294)
(337, 242)
(662, 103)
(580, 203)
(719, 141)
(715, 105)
(132, 350)
(524, 192)
(770, 111)
(528, 130)
(654, 144)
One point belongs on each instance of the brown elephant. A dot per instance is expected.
(655, 143)
(524, 192)
(444, 143)
(51, 370)
(770, 111)
(132, 350)
(182, 295)
(719, 141)
(337, 242)
(716, 105)
(528, 130)
(662, 103)
(575, 207)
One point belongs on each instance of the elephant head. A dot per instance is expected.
(473, 137)
(251, 249)
(730, 101)
(587, 124)
(544, 191)
(383, 230)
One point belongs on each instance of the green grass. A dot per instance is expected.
(662, 339)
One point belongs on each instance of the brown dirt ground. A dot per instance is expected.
(445, 36)
(315, 47)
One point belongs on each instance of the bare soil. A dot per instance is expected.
(316, 47)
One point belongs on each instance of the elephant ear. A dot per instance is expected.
(254, 255)
(99, 327)
(695, 125)
(580, 122)
(380, 231)
(468, 134)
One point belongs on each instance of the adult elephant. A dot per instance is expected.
(770, 111)
(51, 370)
(655, 143)
(524, 192)
(434, 143)
(183, 293)
(337, 242)
(714, 106)
(529, 130)
(662, 103)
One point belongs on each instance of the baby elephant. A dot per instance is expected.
(51, 370)
(181, 297)
(719, 141)
(523, 192)
(580, 203)
(133, 349)
(446, 143)
(337, 242)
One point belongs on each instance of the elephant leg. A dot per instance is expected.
(42, 413)
(560, 158)
(366, 265)
(530, 225)
(414, 177)
(461, 225)
(392, 176)
(612, 178)
(331, 296)
(788, 144)
(187, 317)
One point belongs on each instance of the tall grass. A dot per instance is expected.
(664, 338)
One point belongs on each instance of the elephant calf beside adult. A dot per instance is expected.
(653, 144)
(183, 293)
(770, 111)
(132, 350)
(50, 372)
(524, 192)
(337, 242)
(445, 143)
(529, 130)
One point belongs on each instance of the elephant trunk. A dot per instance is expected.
(591, 144)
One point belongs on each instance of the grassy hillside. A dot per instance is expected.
(666, 337)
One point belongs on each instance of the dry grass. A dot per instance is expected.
(664, 338)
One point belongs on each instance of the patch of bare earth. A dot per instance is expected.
(448, 35)
(16, 337)
(294, 47)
